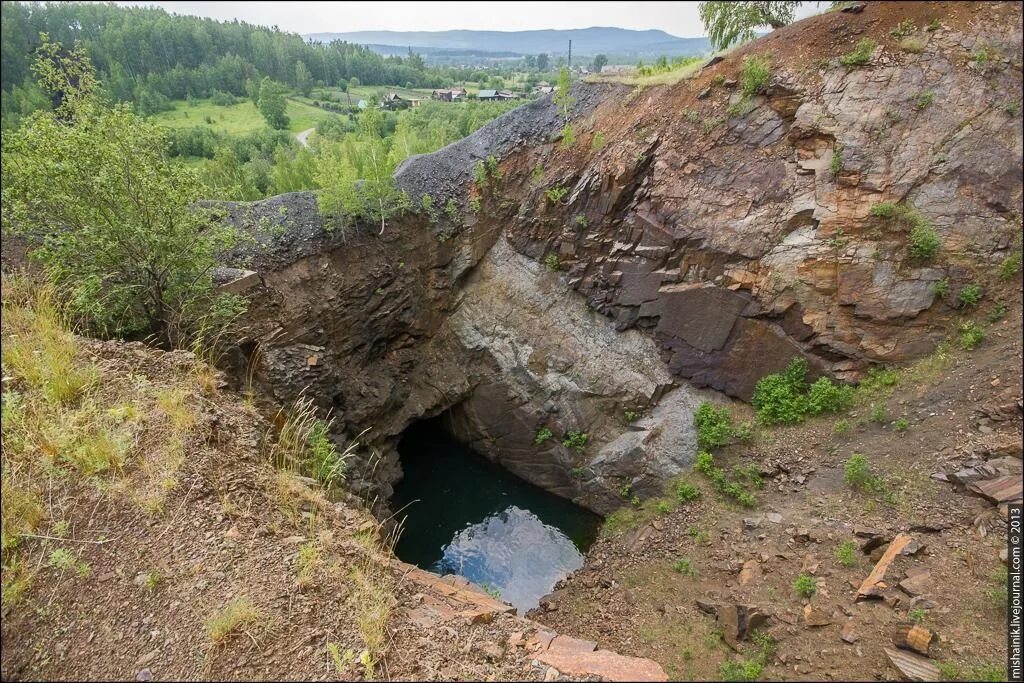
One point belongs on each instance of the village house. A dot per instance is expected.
(497, 95)
(393, 101)
(449, 95)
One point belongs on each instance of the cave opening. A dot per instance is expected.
(463, 514)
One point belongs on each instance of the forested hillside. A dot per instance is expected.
(150, 57)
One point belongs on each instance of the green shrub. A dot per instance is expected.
(714, 426)
(805, 586)
(757, 69)
(879, 413)
(598, 142)
(575, 440)
(552, 262)
(744, 431)
(941, 288)
(828, 397)
(740, 670)
(841, 427)
(884, 210)
(924, 242)
(543, 434)
(925, 99)
(837, 159)
(857, 474)
(901, 425)
(704, 463)
(846, 554)
(970, 335)
(970, 295)
(684, 566)
(785, 398)
(686, 492)
(781, 397)
(556, 194)
(861, 54)
(903, 29)
(997, 313)
(1010, 266)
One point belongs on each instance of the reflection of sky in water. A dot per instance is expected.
(514, 552)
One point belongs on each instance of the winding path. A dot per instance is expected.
(303, 136)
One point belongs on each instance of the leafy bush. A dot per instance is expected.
(941, 288)
(757, 69)
(925, 99)
(742, 670)
(133, 251)
(970, 295)
(837, 159)
(543, 434)
(924, 242)
(576, 440)
(705, 465)
(552, 262)
(686, 492)
(879, 413)
(714, 427)
(805, 586)
(828, 397)
(861, 54)
(1010, 266)
(556, 194)
(884, 210)
(970, 335)
(785, 398)
(857, 474)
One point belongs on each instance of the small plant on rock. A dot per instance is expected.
(941, 288)
(556, 194)
(754, 76)
(543, 434)
(575, 440)
(552, 262)
(861, 54)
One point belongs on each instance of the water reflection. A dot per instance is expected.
(512, 552)
(465, 515)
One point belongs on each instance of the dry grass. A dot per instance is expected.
(63, 428)
(232, 618)
(664, 78)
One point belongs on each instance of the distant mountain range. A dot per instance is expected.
(585, 41)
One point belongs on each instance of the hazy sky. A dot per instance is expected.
(677, 18)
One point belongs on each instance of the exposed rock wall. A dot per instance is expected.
(710, 246)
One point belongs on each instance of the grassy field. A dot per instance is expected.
(237, 119)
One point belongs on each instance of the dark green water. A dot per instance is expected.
(465, 515)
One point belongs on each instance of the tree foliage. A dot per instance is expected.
(731, 22)
(599, 62)
(355, 175)
(120, 231)
(273, 103)
(563, 93)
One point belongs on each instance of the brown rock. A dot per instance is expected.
(914, 637)
(609, 666)
(815, 617)
(914, 667)
(916, 584)
(847, 634)
(751, 572)
(736, 621)
(871, 585)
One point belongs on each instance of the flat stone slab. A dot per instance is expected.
(610, 666)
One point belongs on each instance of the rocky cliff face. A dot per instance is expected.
(712, 238)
